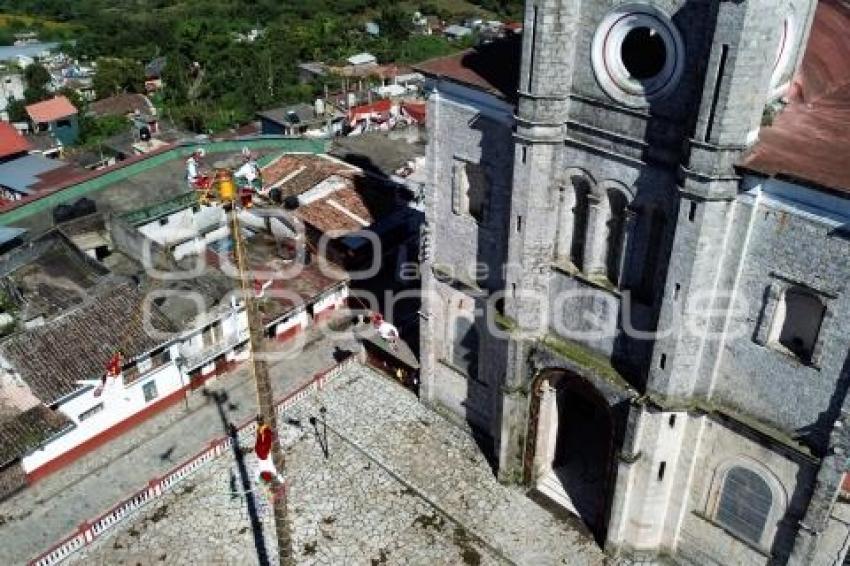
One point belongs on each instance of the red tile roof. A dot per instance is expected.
(53, 357)
(51, 110)
(810, 140)
(366, 110)
(416, 110)
(357, 205)
(493, 68)
(11, 142)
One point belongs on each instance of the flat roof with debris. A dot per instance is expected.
(138, 181)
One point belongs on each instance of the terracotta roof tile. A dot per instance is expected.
(27, 430)
(121, 105)
(493, 67)
(356, 206)
(301, 172)
(11, 142)
(52, 358)
(809, 141)
(50, 110)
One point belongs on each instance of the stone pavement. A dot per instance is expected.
(38, 517)
(400, 485)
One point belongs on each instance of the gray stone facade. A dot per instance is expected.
(636, 278)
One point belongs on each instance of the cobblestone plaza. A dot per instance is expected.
(390, 482)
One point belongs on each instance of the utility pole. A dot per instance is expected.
(265, 396)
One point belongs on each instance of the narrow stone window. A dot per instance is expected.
(524, 154)
(692, 213)
(797, 323)
(745, 502)
(718, 83)
(655, 241)
(532, 50)
(580, 215)
(465, 346)
(662, 361)
(616, 236)
(672, 421)
(519, 224)
(676, 290)
(661, 469)
(470, 190)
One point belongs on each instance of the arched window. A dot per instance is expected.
(798, 321)
(745, 503)
(616, 227)
(582, 189)
(465, 346)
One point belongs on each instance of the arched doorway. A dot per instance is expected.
(569, 456)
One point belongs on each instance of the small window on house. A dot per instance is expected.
(798, 321)
(90, 412)
(465, 346)
(745, 502)
(196, 209)
(63, 124)
(149, 390)
(163, 221)
(131, 373)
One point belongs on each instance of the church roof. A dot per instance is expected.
(493, 68)
(810, 140)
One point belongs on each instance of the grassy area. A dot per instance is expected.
(25, 22)
(45, 29)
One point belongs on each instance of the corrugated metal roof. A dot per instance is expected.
(19, 174)
(9, 233)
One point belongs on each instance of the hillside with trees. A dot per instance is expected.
(232, 78)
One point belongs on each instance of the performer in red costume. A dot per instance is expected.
(113, 368)
(263, 449)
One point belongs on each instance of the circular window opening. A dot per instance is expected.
(644, 53)
(638, 54)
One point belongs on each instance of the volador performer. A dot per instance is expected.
(266, 470)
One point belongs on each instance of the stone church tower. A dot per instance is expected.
(591, 281)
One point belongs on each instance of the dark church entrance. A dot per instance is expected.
(570, 460)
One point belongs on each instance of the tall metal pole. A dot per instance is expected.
(265, 396)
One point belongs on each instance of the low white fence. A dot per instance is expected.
(89, 531)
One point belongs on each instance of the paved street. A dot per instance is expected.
(400, 486)
(38, 517)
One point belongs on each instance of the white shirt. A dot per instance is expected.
(191, 170)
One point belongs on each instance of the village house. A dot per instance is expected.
(20, 170)
(88, 273)
(56, 117)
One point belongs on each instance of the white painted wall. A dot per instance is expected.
(119, 403)
(299, 319)
(11, 86)
(335, 299)
(184, 224)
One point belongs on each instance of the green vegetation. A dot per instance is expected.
(585, 358)
(233, 79)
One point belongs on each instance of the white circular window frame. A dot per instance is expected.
(607, 58)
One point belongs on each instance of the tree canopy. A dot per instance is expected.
(215, 80)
